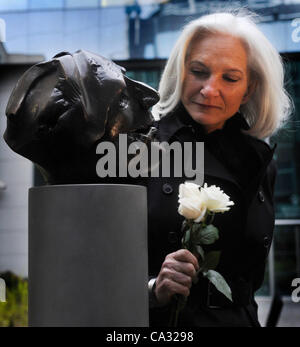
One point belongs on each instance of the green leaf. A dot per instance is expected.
(219, 282)
(195, 229)
(186, 238)
(211, 260)
(208, 235)
(200, 251)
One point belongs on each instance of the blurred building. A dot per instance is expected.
(16, 174)
(139, 35)
(7, 58)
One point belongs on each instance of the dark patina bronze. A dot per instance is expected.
(61, 109)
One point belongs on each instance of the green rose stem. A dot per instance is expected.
(189, 242)
(202, 233)
(179, 301)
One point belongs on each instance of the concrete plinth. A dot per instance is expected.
(88, 255)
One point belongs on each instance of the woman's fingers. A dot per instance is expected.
(183, 267)
(166, 288)
(176, 275)
(183, 255)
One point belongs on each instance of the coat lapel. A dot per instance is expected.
(214, 168)
(171, 124)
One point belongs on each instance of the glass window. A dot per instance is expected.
(105, 3)
(286, 257)
(287, 153)
(45, 38)
(16, 32)
(80, 3)
(284, 263)
(135, 29)
(44, 4)
(150, 77)
(8, 5)
(265, 290)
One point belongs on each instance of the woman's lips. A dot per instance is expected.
(206, 105)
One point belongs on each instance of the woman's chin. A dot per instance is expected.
(203, 118)
(207, 122)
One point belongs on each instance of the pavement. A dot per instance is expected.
(289, 316)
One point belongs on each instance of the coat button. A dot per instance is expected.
(261, 197)
(167, 188)
(191, 128)
(172, 237)
(266, 242)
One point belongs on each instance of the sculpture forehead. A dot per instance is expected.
(83, 68)
(101, 65)
(92, 68)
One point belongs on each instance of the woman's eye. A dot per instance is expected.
(200, 73)
(230, 79)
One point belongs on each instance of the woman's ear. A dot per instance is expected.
(250, 90)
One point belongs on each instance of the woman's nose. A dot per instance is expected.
(210, 88)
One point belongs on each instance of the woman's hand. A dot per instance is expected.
(176, 275)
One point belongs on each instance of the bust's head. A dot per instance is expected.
(62, 108)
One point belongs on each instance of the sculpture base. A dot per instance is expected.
(88, 258)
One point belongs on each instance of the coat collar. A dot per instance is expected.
(178, 119)
(171, 125)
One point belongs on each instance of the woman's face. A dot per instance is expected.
(215, 80)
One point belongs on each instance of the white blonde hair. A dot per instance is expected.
(269, 105)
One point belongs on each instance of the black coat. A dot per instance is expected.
(243, 168)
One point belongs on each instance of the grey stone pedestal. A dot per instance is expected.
(88, 255)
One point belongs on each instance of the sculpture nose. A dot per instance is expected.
(146, 95)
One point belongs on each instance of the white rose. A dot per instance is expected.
(191, 204)
(189, 190)
(215, 199)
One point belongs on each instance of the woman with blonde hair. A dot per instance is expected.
(223, 85)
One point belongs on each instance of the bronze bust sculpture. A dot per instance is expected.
(62, 108)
